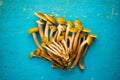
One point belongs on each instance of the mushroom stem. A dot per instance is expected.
(55, 36)
(66, 35)
(51, 32)
(40, 30)
(78, 54)
(55, 48)
(46, 29)
(36, 41)
(81, 65)
(58, 35)
(75, 40)
(71, 44)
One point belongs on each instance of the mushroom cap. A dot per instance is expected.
(53, 27)
(50, 18)
(31, 54)
(74, 30)
(90, 38)
(37, 51)
(41, 16)
(63, 33)
(43, 44)
(61, 20)
(79, 27)
(42, 53)
(32, 30)
(45, 39)
(51, 39)
(86, 29)
(70, 24)
(77, 22)
(60, 38)
(69, 37)
(39, 22)
(82, 34)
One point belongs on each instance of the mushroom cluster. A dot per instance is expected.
(64, 43)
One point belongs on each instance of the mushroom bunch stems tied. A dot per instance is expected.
(64, 43)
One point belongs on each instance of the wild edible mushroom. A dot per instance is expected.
(69, 25)
(33, 31)
(40, 23)
(88, 41)
(61, 27)
(50, 21)
(78, 26)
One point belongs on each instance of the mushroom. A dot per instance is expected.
(61, 27)
(88, 41)
(33, 31)
(78, 25)
(41, 54)
(69, 25)
(50, 21)
(53, 29)
(73, 30)
(40, 22)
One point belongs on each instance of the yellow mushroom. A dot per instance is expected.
(33, 31)
(88, 41)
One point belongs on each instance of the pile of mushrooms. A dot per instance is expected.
(64, 43)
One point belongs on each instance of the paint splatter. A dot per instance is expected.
(112, 13)
(98, 14)
(24, 9)
(1, 3)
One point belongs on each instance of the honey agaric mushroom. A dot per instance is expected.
(73, 30)
(33, 31)
(69, 25)
(61, 27)
(78, 25)
(53, 29)
(88, 41)
(40, 22)
(50, 21)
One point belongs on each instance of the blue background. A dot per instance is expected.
(102, 61)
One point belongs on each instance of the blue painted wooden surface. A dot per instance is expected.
(102, 61)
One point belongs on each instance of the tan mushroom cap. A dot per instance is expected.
(32, 30)
(74, 30)
(41, 16)
(53, 27)
(61, 20)
(50, 18)
(79, 27)
(86, 29)
(39, 22)
(60, 38)
(77, 22)
(90, 38)
(70, 24)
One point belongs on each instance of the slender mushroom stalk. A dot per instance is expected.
(63, 44)
(73, 30)
(88, 41)
(69, 25)
(50, 21)
(40, 23)
(33, 31)
(53, 29)
(41, 54)
(61, 27)
(78, 25)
